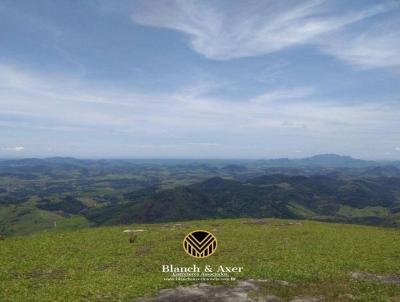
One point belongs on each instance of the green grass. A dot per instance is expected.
(98, 264)
(24, 220)
(367, 211)
(300, 211)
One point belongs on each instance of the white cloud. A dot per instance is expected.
(191, 117)
(283, 94)
(65, 106)
(15, 149)
(253, 28)
(397, 149)
(378, 45)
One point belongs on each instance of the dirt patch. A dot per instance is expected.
(257, 222)
(388, 279)
(290, 224)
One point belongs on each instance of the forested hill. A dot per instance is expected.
(42, 194)
(370, 200)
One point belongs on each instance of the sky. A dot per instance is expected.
(199, 79)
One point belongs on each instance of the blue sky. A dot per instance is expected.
(199, 79)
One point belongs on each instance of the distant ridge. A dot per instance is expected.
(233, 166)
(322, 160)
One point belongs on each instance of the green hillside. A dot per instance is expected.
(99, 264)
(372, 201)
(68, 193)
(27, 219)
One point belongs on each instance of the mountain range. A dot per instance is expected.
(37, 194)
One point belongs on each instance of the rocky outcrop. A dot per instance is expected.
(244, 291)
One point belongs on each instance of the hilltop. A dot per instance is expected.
(99, 264)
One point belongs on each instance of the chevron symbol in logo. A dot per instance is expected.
(200, 244)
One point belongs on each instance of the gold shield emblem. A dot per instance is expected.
(200, 244)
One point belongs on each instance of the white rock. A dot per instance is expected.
(133, 231)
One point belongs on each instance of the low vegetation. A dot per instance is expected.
(99, 264)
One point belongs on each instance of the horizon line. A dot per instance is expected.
(94, 158)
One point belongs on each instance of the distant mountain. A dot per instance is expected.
(322, 160)
(230, 166)
(333, 160)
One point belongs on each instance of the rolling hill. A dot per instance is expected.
(40, 194)
(376, 201)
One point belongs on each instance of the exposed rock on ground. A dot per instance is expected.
(307, 299)
(388, 279)
(244, 291)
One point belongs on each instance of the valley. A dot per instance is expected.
(67, 193)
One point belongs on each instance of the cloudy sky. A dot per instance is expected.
(199, 79)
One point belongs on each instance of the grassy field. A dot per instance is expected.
(25, 220)
(99, 264)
